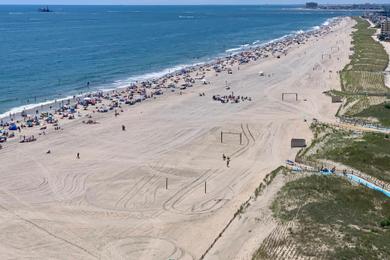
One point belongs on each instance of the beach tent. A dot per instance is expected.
(13, 127)
(148, 92)
(30, 123)
(89, 101)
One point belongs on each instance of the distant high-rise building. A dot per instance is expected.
(385, 30)
(386, 11)
(311, 5)
(385, 27)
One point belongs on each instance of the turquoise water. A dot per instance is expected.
(46, 56)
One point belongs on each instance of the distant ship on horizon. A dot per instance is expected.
(45, 10)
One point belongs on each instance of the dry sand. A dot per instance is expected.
(112, 203)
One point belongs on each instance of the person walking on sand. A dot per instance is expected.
(78, 156)
(228, 162)
(223, 157)
(123, 128)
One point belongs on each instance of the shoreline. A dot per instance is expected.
(114, 200)
(15, 112)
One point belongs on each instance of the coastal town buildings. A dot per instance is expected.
(311, 5)
(385, 28)
(381, 20)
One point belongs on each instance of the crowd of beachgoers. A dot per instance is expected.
(177, 82)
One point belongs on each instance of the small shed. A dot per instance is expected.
(337, 99)
(298, 143)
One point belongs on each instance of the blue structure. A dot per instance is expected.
(368, 184)
(13, 127)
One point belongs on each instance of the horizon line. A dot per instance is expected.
(145, 4)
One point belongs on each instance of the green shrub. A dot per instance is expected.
(385, 223)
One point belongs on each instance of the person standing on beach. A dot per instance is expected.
(228, 162)
(78, 156)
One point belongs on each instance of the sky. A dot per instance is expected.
(158, 2)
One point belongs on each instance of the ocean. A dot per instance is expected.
(48, 56)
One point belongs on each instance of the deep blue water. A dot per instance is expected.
(45, 56)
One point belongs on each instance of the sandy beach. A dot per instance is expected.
(160, 189)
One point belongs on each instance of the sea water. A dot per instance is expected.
(48, 56)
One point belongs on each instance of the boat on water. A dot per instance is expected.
(44, 10)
